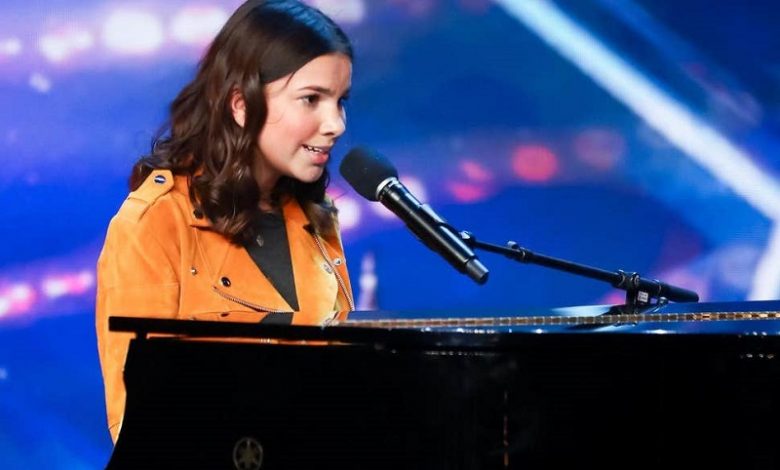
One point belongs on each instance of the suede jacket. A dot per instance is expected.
(161, 259)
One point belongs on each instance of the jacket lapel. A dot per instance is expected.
(315, 284)
(235, 276)
(239, 278)
(232, 272)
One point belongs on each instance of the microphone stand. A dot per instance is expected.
(640, 292)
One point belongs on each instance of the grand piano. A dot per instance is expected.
(670, 386)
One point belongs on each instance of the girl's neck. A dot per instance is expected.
(267, 203)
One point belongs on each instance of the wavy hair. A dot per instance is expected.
(264, 40)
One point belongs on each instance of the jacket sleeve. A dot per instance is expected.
(136, 276)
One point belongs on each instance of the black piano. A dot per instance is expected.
(674, 386)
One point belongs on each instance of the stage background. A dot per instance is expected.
(625, 134)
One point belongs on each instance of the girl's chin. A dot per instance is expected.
(309, 176)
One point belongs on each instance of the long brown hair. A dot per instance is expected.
(264, 40)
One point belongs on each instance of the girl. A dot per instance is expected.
(228, 218)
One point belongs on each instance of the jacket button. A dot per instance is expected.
(197, 213)
(193, 270)
(225, 281)
(337, 261)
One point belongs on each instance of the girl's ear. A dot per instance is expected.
(238, 107)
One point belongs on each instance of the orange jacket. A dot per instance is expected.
(161, 260)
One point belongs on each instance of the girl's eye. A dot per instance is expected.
(310, 99)
(343, 101)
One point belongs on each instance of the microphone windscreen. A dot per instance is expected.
(365, 169)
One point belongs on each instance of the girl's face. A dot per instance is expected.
(305, 118)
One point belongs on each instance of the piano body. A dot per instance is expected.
(681, 386)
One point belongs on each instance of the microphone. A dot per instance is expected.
(376, 179)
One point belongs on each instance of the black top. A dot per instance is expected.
(271, 252)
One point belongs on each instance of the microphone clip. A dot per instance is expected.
(638, 296)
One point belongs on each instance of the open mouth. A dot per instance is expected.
(312, 149)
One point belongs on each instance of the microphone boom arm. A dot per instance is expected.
(639, 291)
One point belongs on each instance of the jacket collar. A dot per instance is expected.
(195, 217)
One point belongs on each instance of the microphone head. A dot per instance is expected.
(365, 170)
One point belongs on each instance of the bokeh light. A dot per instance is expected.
(349, 212)
(40, 83)
(198, 25)
(61, 45)
(342, 11)
(16, 298)
(475, 171)
(534, 163)
(10, 47)
(601, 149)
(468, 192)
(132, 32)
